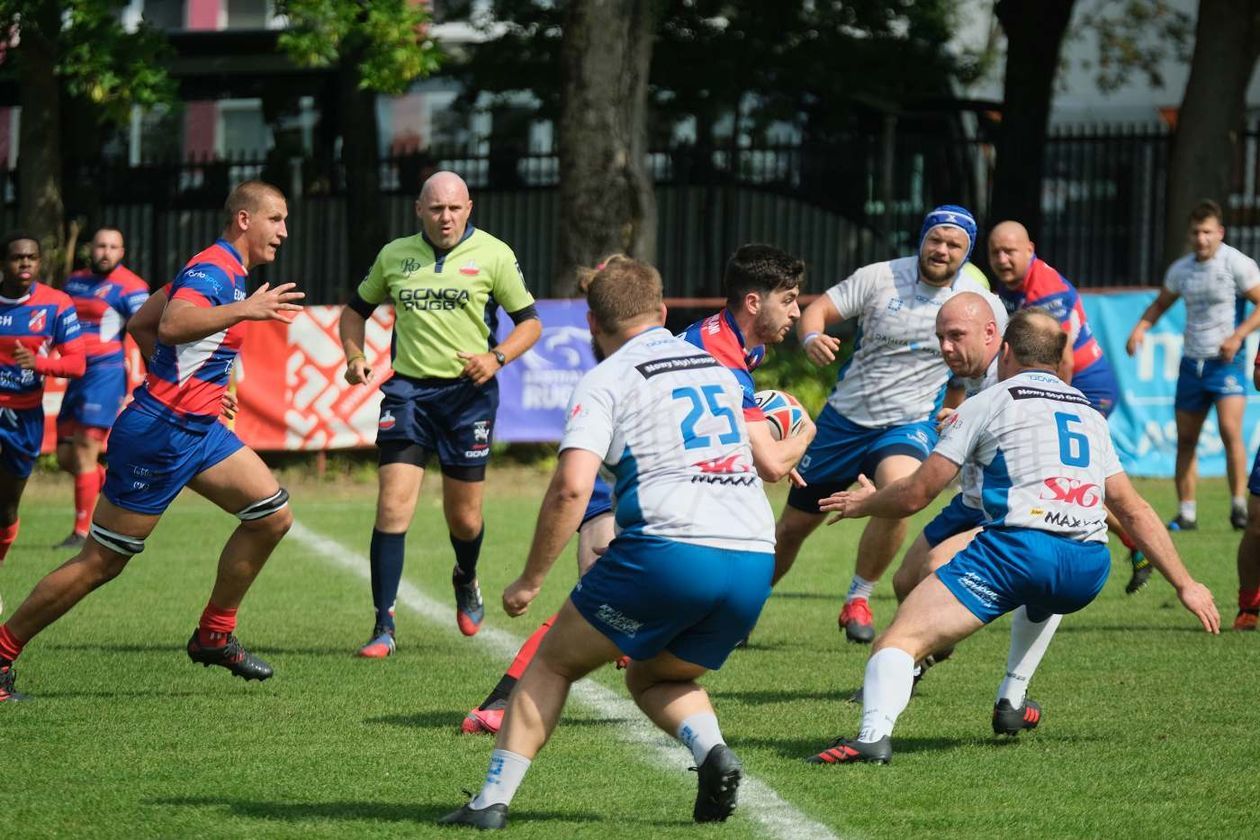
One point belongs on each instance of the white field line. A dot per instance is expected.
(758, 801)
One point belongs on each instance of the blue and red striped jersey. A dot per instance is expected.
(104, 303)
(720, 337)
(1045, 287)
(43, 320)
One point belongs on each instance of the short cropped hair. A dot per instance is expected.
(621, 290)
(18, 236)
(109, 228)
(1204, 210)
(760, 268)
(249, 196)
(1035, 337)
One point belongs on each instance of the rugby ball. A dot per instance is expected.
(784, 413)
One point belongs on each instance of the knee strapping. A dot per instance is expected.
(265, 507)
(120, 543)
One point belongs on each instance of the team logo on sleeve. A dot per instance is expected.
(39, 320)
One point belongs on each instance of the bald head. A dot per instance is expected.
(1010, 253)
(443, 209)
(1034, 339)
(967, 329)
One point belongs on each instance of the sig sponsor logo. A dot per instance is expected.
(1070, 491)
(432, 299)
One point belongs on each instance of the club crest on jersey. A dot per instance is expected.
(470, 269)
(387, 421)
(39, 320)
(102, 292)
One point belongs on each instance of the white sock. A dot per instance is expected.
(1029, 641)
(1188, 510)
(507, 770)
(885, 692)
(1239, 503)
(860, 588)
(699, 733)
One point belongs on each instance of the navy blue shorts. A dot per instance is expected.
(151, 459)
(21, 437)
(451, 417)
(649, 594)
(1099, 385)
(1253, 483)
(842, 450)
(601, 500)
(1006, 568)
(954, 519)
(95, 399)
(1201, 382)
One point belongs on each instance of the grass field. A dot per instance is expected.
(1149, 730)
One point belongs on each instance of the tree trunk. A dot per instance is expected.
(39, 137)
(1034, 32)
(1226, 39)
(607, 198)
(365, 226)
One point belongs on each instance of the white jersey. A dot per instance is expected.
(971, 480)
(666, 418)
(1215, 294)
(1044, 455)
(896, 375)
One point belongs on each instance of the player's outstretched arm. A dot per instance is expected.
(184, 322)
(1141, 521)
(1152, 314)
(902, 498)
(558, 520)
(775, 459)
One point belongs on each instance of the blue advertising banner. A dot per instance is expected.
(1143, 425)
(534, 390)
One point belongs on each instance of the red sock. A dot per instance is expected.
(87, 486)
(1249, 599)
(100, 477)
(8, 535)
(10, 645)
(1126, 541)
(527, 651)
(215, 626)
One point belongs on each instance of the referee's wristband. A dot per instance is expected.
(808, 338)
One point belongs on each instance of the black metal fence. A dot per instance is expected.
(837, 206)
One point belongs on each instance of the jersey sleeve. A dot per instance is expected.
(202, 285)
(1246, 274)
(589, 423)
(133, 297)
(1172, 278)
(374, 288)
(963, 429)
(1109, 460)
(752, 412)
(508, 286)
(66, 330)
(850, 295)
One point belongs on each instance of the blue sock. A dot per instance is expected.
(466, 554)
(386, 557)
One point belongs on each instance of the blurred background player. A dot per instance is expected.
(34, 320)
(690, 569)
(447, 283)
(881, 416)
(169, 437)
(762, 284)
(1025, 280)
(105, 295)
(1249, 545)
(1039, 555)
(1216, 281)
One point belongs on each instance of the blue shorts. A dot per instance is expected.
(1201, 382)
(451, 417)
(649, 594)
(151, 459)
(601, 500)
(954, 519)
(21, 437)
(1099, 385)
(1006, 568)
(96, 398)
(842, 450)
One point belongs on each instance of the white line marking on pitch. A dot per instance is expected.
(758, 801)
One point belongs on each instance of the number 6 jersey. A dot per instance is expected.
(1044, 455)
(666, 418)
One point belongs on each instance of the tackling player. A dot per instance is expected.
(105, 297)
(1046, 464)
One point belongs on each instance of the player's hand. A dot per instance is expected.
(1230, 348)
(358, 372)
(808, 429)
(479, 367)
(228, 405)
(1197, 598)
(22, 356)
(942, 417)
(517, 597)
(268, 304)
(848, 504)
(795, 478)
(821, 350)
(1135, 341)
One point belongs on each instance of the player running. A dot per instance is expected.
(690, 570)
(105, 296)
(1046, 465)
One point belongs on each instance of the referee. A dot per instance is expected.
(446, 283)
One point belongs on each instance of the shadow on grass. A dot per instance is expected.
(348, 811)
(762, 697)
(801, 748)
(450, 720)
(179, 647)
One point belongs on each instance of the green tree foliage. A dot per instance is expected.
(1136, 37)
